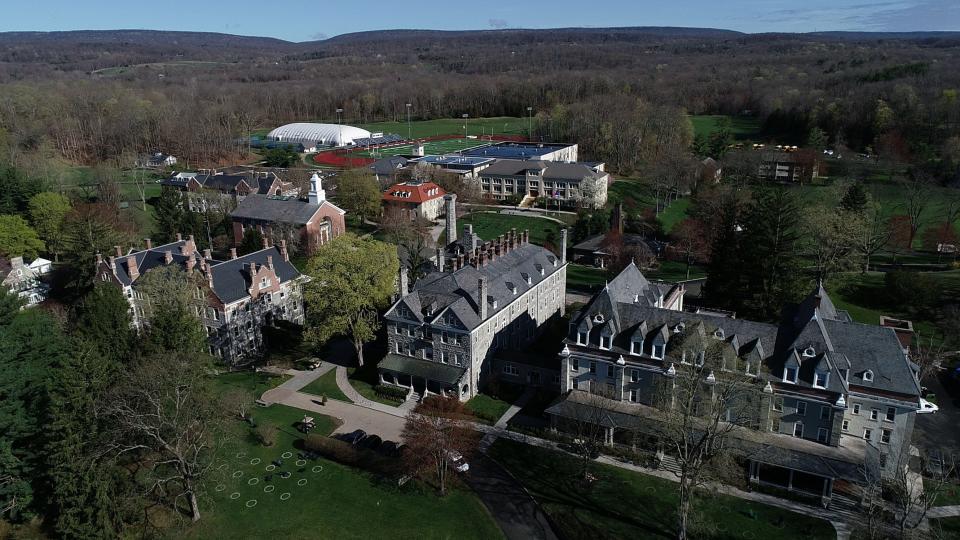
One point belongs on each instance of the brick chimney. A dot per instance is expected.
(167, 257)
(191, 263)
(99, 259)
(118, 251)
(148, 243)
(283, 250)
(113, 263)
(132, 268)
(179, 237)
(270, 262)
(233, 253)
(563, 245)
(482, 301)
(207, 254)
(266, 242)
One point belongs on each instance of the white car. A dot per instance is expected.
(456, 460)
(927, 408)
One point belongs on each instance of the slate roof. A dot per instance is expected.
(434, 371)
(458, 292)
(152, 258)
(813, 335)
(388, 165)
(224, 183)
(550, 170)
(278, 209)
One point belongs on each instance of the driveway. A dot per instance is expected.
(515, 511)
(387, 426)
(939, 430)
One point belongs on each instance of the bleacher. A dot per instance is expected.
(367, 142)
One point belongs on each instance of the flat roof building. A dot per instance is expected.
(526, 150)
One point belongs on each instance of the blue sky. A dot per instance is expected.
(306, 20)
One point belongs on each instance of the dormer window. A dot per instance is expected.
(809, 352)
(868, 376)
(790, 375)
(636, 346)
(821, 379)
(657, 352)
(678, 328)
(582, 337)
(605, 341)
(718, 334)
(598, 318)
(700, 356)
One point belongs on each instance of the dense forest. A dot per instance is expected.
(94, 97)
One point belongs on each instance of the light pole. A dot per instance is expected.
(409, 129)
(530, 123)
(466, 117)
(339, 126)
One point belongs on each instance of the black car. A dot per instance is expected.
(355, 437)
(372, 442)
(391, 448)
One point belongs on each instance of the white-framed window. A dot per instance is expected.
(456, 360)
(790, 375)
(885, 435)
(868, 376)
(575, 365)
(636, 347)
(605, 341)
(775, 425)
(778, 404)
(802, 408)
(798, 430)
(856, 408)
(845, 425)
(511, 369)
(593, 367)
(581, 338)
(611, 371)
(634, 375)
(822, 435)
(891, 414)
(824, 412)
(868, 434)
(576, 384)
(634, 395)
(874, 414)
(821, 379)
(657, 352)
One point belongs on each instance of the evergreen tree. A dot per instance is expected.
(252, 241)
(722, 288)
(102, 319)
(10, 305)
(172, 303)
(855, 198)
(170, 214)
(81, 481)
(772, 268)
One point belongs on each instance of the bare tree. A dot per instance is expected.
(912, 497)
(12, 503)
(436, 432)
(916, 194)
(873, 234)
(832, 240)
(238, 401)
(413, 239)
(163, 415)
(587, 424)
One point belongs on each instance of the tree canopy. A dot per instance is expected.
(18, 239)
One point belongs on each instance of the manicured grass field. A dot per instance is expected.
(501, 125)
(489, 226)
(363, 380)
(448, 146)
(742, 127)
(582, 277)
(487, 409)
(327, 385)
(256, 383)
(624, 504)
(673, 214)
(323, 499)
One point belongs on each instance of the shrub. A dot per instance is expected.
(266, 434)
(345, 454)
(915, 290)
(390, 392)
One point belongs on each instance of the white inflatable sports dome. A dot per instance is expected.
(313, 135)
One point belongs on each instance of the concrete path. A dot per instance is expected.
(301, 379)
(944, 511)
(516, 512)
(515, 408)
(387, 426)
(343, 382)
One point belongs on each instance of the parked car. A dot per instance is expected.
(927, 407)
(372, 442)
(391, 448)
(354, 437)
(455, 459)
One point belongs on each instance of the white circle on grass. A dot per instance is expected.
(253, 481)
(254, 501)
(255, 461)
(317, 468)
(222, 467)
(241, 454)
(270, 467)
(302, 482)
(221, 487)
(284, 496)
(235, 495)
(269, 488)
(237, 474)
(286, 455)
(301, 462)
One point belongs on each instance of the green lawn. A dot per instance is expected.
(864, 296)
(624, 504)
(945, 528)
(256, 383)
(584, 277)
(673, 271)
(673, 214)
(502, 125)
(327, 385)
(742, 127)
(448, 146)
(487, 409)
(363, 380)
(631, 192)
(490, 225)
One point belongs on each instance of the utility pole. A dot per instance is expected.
(409, 129)
(466, 118)
(530, 123)
(339, 126)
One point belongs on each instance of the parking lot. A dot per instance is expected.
(940, 430)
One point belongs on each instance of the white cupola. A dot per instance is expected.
(317, 195)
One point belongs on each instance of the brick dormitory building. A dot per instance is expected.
(241, 295)
(831, 401)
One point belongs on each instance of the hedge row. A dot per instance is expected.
(390, 392)
(347, 454)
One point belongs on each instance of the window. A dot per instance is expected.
(821, 379)
(856, 408)
(798, 430)
(657, 352)
(874, 414)
(611, 371)
(511, 369)
(634, 396)
(636, 347)
(822, 434)
(891, 414)
(802, 408)
(778, 404)
(576, 384)
(398, 346)
(885, 435)
(868, 434)
(442, 356)
(883, 461)
(443, 337)
(845, 425)
(593, 367)
(634, 375)
(868, 376)
(790, 375)
(775, 425)
(824, 413)
(604, 342)
(581, 338)
(575, 365)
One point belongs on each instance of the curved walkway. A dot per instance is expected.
(343, 382)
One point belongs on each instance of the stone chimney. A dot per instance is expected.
(441, 261)
(563, 246)
(270, 262)
(266, 242)
(404, 283)
(99, 259)
(283, 250)
(118, 251)
(207, 254)
(167, 257)
(233, 253)
(113, 263)
(179, 237)
(450, 199)
(483, 259)
(191, 263)
(148, 243)
(526, 236)
(132, 269)
(482, 300)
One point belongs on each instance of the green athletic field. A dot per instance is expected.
(500, 125)
(448, 146)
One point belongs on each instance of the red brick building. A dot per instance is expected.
(414, 198)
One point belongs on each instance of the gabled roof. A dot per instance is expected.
(415, 192)
(151, 258)
(279, 209)
(232, 279)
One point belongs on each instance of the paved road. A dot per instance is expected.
(518, 515)
(387, 426)
(939, 430)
